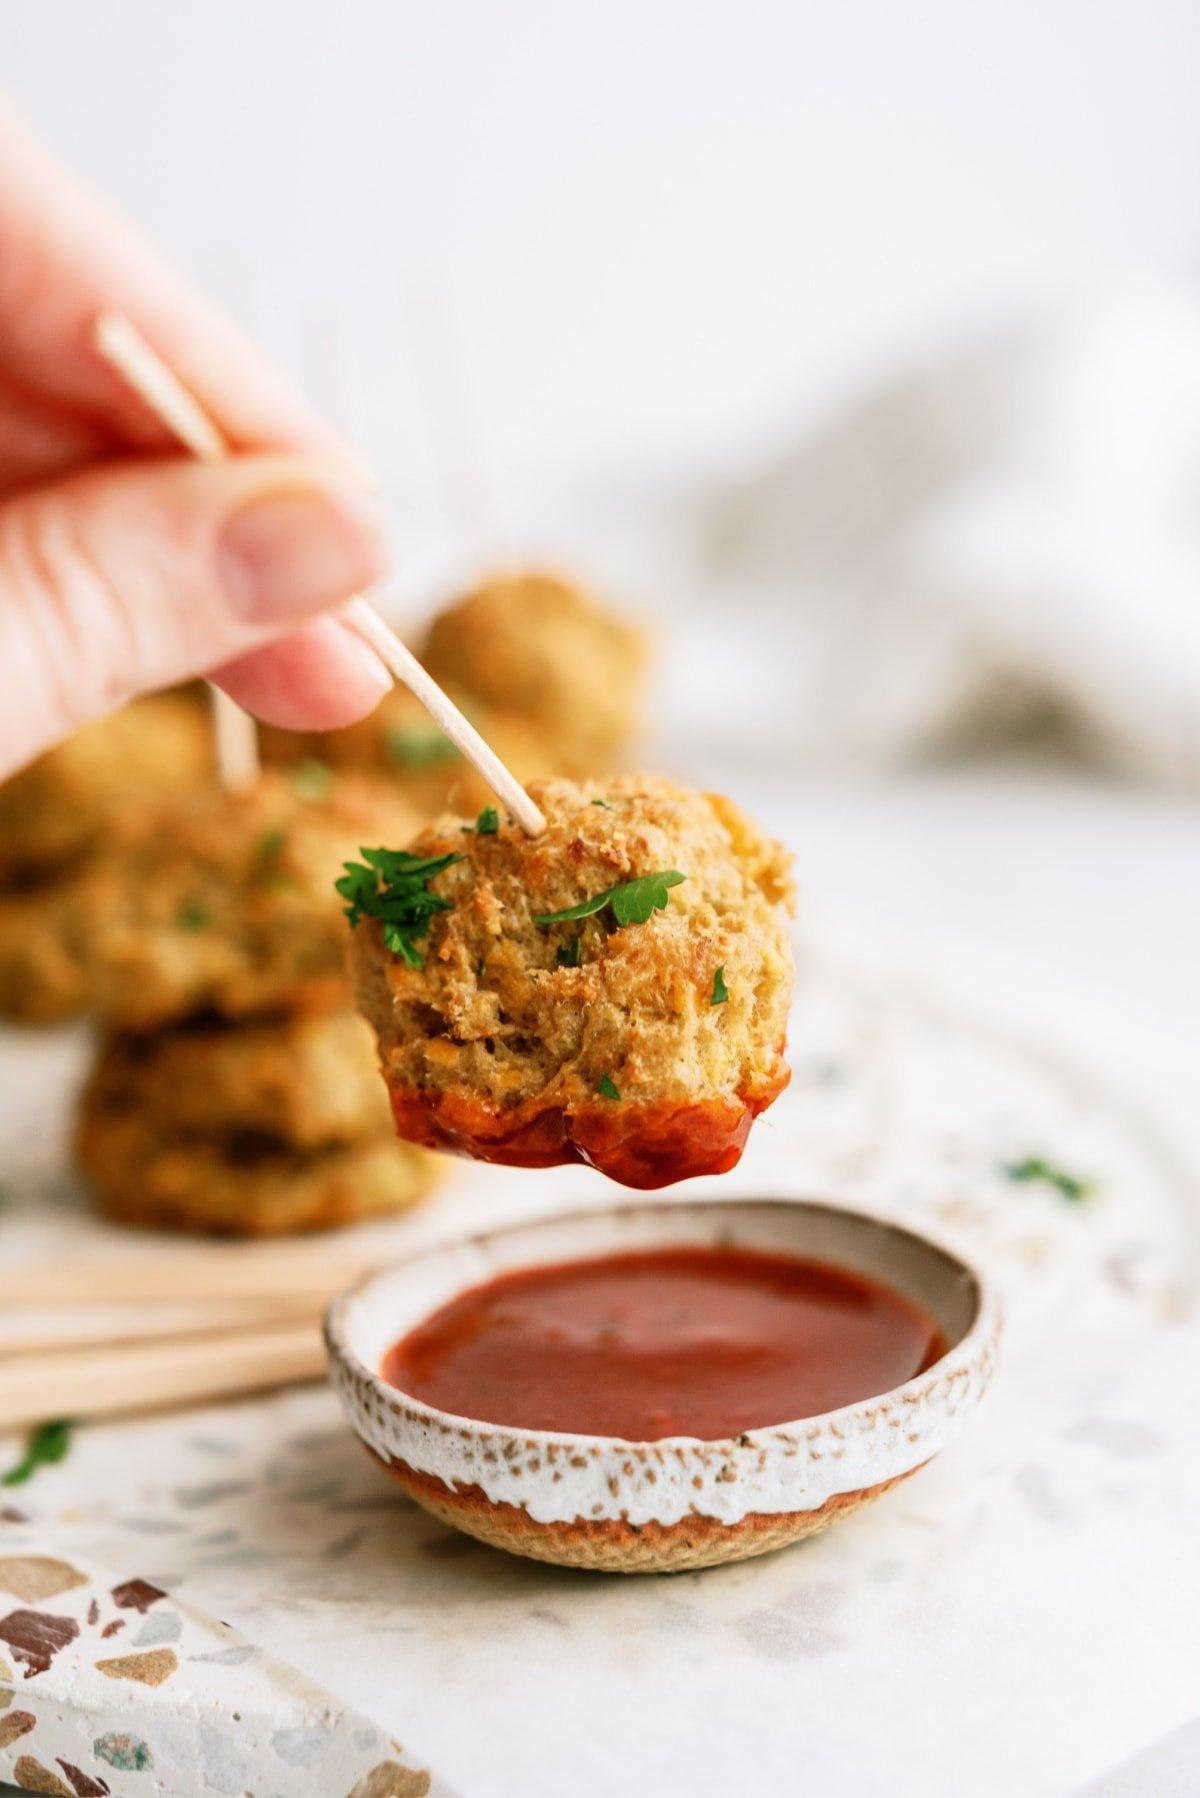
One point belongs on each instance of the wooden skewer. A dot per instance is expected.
(156, 1374)
(126, 350)
(24, 1333)
(278, 1272)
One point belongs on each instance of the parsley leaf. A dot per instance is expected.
(192, 915)
(419, 746)
(48, 1444)
(604, 805)
(393, 886)
(608, 1087)
(632, 902)
(720, 991)
(488, 822)
(1036, 1167)
(568, 957)
(312, 779)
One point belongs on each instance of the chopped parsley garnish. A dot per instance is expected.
(488, 822)
(568, 957)
(48, 1444)
(271, 846)
(604, 805)
(608, 1087)
(418, 746)
(1036, 1167)
(720, 991)
(393, 886)
(632, 902)
(192, 915)
(312, 779)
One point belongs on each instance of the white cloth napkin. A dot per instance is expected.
(1002, 546)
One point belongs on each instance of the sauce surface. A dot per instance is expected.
(667, 1342)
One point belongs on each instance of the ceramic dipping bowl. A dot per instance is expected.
(648, 1507)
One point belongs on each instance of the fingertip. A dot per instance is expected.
(321, 677)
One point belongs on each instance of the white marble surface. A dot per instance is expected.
(1043, 1569)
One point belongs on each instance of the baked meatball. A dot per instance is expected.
(63, 805)
(401, 743)
(239, 1186)
(309, 1082)
(614, 991)
(225, 902)
(542, 647)
(43, 975)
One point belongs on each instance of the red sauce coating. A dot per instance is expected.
(666, 1342)
(645, 1146)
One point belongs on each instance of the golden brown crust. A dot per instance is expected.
(43, 976)
(308, 1082)
(251, 1188)
(225, 902)
(543, 648)
(494, 1049)
(63, 804)
(613, 1546)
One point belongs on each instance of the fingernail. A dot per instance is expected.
(284, 554)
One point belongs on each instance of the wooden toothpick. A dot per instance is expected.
(126, 350)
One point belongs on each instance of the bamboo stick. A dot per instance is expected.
(40, 1330)
(253, 1271)
(161, 1373)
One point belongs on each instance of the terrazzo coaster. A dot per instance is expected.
(109, 1686)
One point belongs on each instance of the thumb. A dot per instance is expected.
(136, 576)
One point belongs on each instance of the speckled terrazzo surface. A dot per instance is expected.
(969, 1596)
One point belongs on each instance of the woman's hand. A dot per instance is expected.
(124, 566)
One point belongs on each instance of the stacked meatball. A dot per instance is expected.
(56, 816)
(235, 1090)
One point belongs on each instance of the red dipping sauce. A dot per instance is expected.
(668, 1342)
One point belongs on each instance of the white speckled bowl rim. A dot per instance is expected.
(558, 1477)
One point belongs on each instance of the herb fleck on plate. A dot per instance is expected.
(1038, 1168)
(48, 1444)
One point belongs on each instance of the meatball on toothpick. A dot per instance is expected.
(614, 990)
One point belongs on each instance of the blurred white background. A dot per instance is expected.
(587, 281)
(669, 233)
